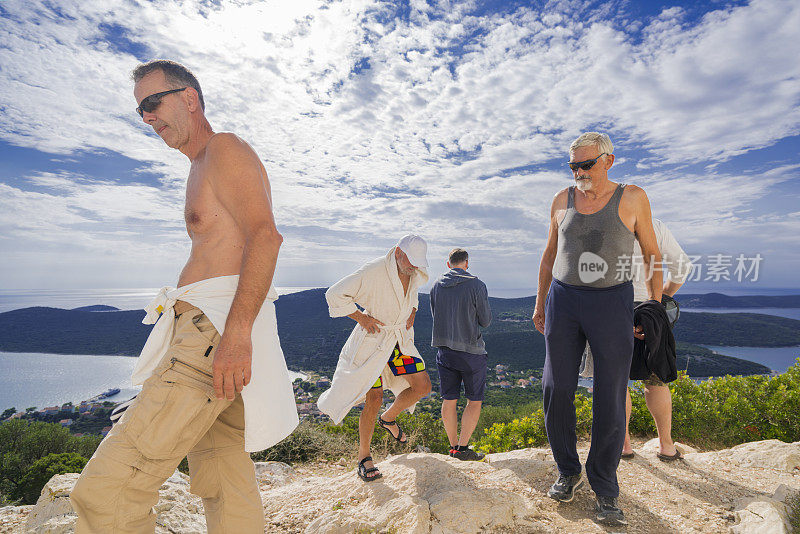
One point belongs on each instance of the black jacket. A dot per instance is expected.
(656, 352)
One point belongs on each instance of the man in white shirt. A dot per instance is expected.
(677, 265)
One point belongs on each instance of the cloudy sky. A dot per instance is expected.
(450, 119)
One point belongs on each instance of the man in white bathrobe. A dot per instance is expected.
(381, 345)
(215, 383)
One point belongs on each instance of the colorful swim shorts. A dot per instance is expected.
(400, 364)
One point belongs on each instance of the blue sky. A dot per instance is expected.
(449, 119)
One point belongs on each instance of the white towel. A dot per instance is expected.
(270, 412)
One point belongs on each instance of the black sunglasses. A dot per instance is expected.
(585, 165)
(150, 103)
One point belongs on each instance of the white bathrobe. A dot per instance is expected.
(376, 287)
(270, 412)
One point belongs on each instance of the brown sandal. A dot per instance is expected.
(668, 458)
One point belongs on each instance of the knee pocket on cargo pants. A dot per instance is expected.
(170, 415)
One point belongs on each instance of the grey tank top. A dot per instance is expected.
(594, 250)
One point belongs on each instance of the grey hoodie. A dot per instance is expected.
(459, 306)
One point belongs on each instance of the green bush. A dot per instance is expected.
(309, 441)
(42, 470)
(23, 443)
(726, 411)
(715, 413)
(529, 431)
(516, 434)
(422, 428)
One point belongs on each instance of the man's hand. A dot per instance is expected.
(231, 367)
(410, 321)
(638, 332)
(370, 324)
(538, 319)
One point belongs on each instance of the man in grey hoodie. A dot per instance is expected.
(460, 306)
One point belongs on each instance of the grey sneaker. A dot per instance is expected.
(467, 455)
(564, 488)
(608, 513)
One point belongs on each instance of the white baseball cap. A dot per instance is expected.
(415, 248)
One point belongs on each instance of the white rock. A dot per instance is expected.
(770, 454)
(401, 514)
(541, 455)
(436, 494)
(761, 517)
(177, 479)
(53, 513)
(653, 444)
(25, 508)
(177, 510)
(783, 492)
(274, 473)
(422, 493)
(273, 468)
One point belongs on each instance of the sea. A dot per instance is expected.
(40, 380)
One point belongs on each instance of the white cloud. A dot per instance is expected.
(446, 105)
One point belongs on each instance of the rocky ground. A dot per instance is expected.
(737, 490)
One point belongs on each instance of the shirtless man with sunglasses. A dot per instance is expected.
(192, 402)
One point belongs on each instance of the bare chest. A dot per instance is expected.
(405, 281)
(202, 211)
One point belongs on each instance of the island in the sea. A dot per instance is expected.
(311, 340)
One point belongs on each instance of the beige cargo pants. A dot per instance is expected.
(175, 415)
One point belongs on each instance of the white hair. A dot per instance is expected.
(600, 140)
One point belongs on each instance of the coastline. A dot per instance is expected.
(47, 379)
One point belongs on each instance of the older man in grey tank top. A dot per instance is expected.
(593, 225)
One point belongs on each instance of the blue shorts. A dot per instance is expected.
(457, 367)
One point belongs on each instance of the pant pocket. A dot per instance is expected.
(171, 419)
(190, 373)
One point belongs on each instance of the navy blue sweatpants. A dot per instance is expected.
(604, 317)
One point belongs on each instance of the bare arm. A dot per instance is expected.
(670, 288)
(679, 263)
(548, 259)
(410, 320)
(242, 187)
(651, 255)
